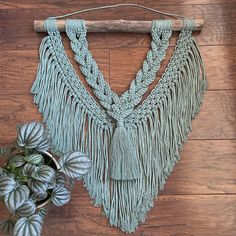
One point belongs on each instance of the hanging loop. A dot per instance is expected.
(119, 25)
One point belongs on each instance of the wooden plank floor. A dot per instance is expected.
(199, 198)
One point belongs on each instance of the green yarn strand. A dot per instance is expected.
(124, 160)
(131, 159)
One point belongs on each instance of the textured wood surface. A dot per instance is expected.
(118, 26)
(199, 197)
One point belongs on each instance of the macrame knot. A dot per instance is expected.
(124, 162)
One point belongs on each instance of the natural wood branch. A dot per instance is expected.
(118, 26)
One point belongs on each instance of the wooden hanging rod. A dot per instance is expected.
(118, 26)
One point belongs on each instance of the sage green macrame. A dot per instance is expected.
(133, 143)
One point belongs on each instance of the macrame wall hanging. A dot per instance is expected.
(133, 143)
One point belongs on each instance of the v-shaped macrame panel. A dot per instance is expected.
(133, 143)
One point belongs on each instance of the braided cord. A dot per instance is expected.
(161, 32)
(168, 78)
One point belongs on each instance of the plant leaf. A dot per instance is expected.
(60, 196)
(60, 178)
(44, 144)
(44, 173)
(3, 172)
(5, 150)
(28, 169)
(30, 135)
(42, 212)
(7, 184)
(16, 197)
(37, 185)
(75, 164)
(7, 226)
(52, 184)
(16, 161)
(38, 196)
(34, 158)
(26, 209)
(31, 226)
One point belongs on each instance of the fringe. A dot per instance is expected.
(157, 138)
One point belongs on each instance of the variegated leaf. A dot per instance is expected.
(52, 184)
(42, 162)
(45, 173)
(26, 209)
(7, 184)
(44, 144)
(28, 169)
(42, 212)
(60, 178)
(16, 161)
(37, 185)
(75, 164)
(60, 196)
(38, 196)
(16, 197)
(34, 158)
(5, 150)
(7, 226)
(2, 172)
(31, 226)
(30, 135)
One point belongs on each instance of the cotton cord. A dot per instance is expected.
(133, 145)
(115, 6)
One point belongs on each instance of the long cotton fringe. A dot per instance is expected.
(69, 124)
(157, 138)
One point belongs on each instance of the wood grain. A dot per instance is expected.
(219, 29)
(23, 4)
(18, 67)
(118, 26)
(199, 198)
(188, 215)
(217, 119)
(219, 60)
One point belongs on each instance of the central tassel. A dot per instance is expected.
(125, 164)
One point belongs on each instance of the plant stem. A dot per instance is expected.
(26, 152)
(49, 161)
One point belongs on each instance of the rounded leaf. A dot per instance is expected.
(16, 161)
(26, 209)
(30, 135)
(42, 212)
(7, 226)
(44, 144)
(3, 172)
(60, 178)
(7, 184)
(5, 150)
(52, 184)
(28, 169)
(38, 196)
(75, 164)
(34, 158)
(31, 226)
(44, 173)
(60, 196)
(37, 185)
(16, 197)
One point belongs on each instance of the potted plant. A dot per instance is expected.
(32, 178)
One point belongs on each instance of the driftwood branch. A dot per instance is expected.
(118, 26)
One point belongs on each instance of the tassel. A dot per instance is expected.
(125, 164)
